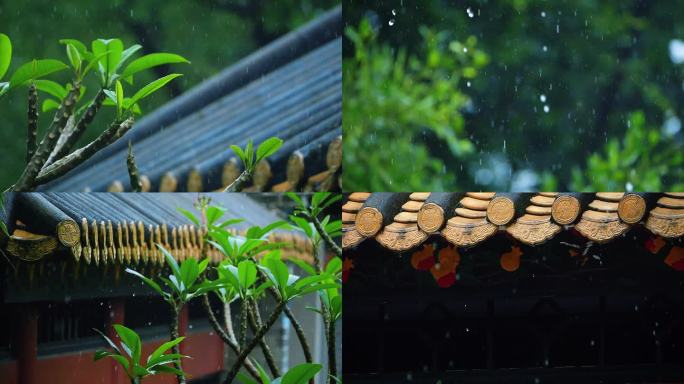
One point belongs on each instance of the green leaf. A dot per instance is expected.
(249, 154)
(279, 271)
(268, 147)
(152, 87)
(111, 95)
(304, 225)
(49, 105)
(300, 374)
(126, 54)
(246, 273)
(334, 266)
(152, 60)
(238, 151)
(296, 198)
(108, 340)
(119, 98)
(163, 348)
(34, 70)
(214, 213)
(189, 215)
(203, 265)
(51, 87)
(147, 281)
(110, 61)
(131, 339)
(5, 54)
(167, 369)
(170, 261)
(189, 272)
(230, 222)
(244, 379)
(80, 47)
(74, 56)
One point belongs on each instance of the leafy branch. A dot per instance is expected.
(111, 63)
(267, 148)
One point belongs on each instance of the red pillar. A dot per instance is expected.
(27, 347)
(117, 314)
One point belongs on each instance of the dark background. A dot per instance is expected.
(614, 317)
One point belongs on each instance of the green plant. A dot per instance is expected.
(306, 218)
(397, 102)
(52, 157)
(645, 160)
(250, 160)
(130, 358)
(299, 374)
(182, 286)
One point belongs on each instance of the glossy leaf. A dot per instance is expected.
(152, 60)
(268, 147)
(51, 87)
(80, 47)
(170, 261)
(300, 374)
(191, 216)
(247, 273)
(147, 281)
(152, 87)
(74, 56)
(130, 339)
(238, 151)
(119, 98)
(35, 69)
(5, 54)
(163, 348)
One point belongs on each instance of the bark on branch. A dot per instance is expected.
(65, 164)
(31, 134)
(136, 184)
(28, 179)
(240, 183)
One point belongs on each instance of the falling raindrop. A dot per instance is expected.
(468, 84)
(391, 22)
(470, 13)
(592, 343)
(545, 48)
(465, 49)
(543, 14)
(394, 12)
(546, 108)
(542, 98)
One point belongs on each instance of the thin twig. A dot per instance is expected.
(306, 349)
(332, 356)
(31, 134)
(65, 164)
(326, 237)
(226, 337)
(136, 184)
(255, 323)
(253, 342)
(243, 324)
(27, 180)
(72, 136)
(240, 183)
(174, 335)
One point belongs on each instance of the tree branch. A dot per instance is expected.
(176, 349)
(227, 339)
(31, 134)
(136, 185)
(255, 323)
(65, 164)
(326, 237)
(70, 137)
(253, 343)
(240, 183)
(27, 180)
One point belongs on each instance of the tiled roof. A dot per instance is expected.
(290, 89)
(403, 221)
(113, 228)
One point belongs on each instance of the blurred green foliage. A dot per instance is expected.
(393, 100)
(213, 34)
(557, 107)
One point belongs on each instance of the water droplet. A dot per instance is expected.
(409, 376)
(465, 49)
(543, 14)
(391, 22)
(592, 343)
(546, 108)
(468, 84)
(629, 187)
(545, 48)
(542, 98)
(394, 12)
(467, 330)
(470, 13)
(557, 28)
